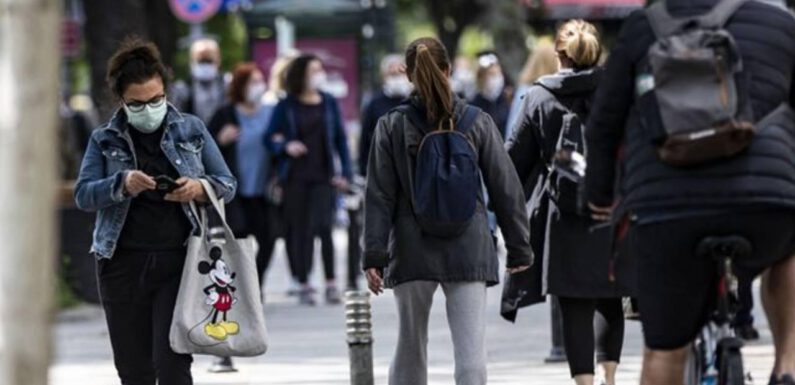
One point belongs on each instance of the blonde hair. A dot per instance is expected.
(578, 41)
(543, 61)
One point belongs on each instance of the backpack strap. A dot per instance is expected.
(664, 24)
(467, 119)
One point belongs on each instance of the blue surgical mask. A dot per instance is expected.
(149, 119)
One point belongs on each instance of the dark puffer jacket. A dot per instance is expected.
(393, 238)
(765, 174)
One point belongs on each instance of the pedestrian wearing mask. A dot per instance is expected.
(306, 133)
(396, 88)
(577, 252)
(491, 96)
(141, 231)
(205, 93)
(404, 252)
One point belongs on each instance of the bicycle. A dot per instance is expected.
(715, 357)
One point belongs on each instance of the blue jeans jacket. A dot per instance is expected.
(110, 155)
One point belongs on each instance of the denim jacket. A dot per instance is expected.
(283, 126)
(110, 155)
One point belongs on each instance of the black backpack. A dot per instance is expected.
(699, 110)
(566, 178)
(445, 181)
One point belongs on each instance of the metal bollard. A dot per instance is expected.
(558, 352)
(359, 322)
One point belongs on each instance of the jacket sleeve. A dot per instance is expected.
(368, 127)
(605, 128)
(276, 128)
(380, 198)
(523, 146)
(505, 194)
(215, 168)
(94, 190)
(341, 142)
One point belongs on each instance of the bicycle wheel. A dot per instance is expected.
(731, 370)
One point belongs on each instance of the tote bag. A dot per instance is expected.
(219, 308)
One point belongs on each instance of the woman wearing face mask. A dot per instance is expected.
(239, 129)
(578, 265)
(491, 96)
(141, 230)
(306, 134)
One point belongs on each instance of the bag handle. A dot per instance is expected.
(218, 204)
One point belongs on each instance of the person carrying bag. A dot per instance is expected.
(219, 309)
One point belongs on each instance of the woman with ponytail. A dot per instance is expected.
(405, 256)
(577, 252)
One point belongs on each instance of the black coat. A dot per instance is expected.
(498, 109)
(765, 174)
(577, 251)
(375, 109)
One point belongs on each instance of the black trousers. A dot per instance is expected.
(307, 213)
(578, 332)
(261, 220)
(139, 291)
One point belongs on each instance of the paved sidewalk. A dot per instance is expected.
(307, 345)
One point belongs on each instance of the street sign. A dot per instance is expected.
(195, 11)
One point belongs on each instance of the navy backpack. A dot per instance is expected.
(446, 182)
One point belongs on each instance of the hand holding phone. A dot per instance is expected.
(166, 184)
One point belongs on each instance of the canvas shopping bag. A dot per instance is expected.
(219, 308)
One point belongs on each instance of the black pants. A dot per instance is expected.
(261, 221)
(308, 208)
(139, 291)
(578, 332)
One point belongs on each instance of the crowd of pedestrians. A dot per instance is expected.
(578, 165)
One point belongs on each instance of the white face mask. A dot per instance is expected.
(149, 119)
(204, 71)
(397, 86)
(318, 81)
(255, 92)
(493, 87)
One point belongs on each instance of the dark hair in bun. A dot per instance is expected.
(136, 61)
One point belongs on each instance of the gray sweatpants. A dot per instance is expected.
(466, 315)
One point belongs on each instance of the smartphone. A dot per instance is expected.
(166, 184)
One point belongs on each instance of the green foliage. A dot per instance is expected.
(65, 296)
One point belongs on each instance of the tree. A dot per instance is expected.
(109, 22)
(449, 17)
(29, 62)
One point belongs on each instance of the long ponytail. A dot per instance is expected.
(427, 62)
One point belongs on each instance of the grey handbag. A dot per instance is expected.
(219, 308)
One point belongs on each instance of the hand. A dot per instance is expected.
(228, 135)
(518, 269)
(189, 190)
(601, 214)
(374, 281)
(212, 298)
(136, 182)
(296, 149)
(340, 183)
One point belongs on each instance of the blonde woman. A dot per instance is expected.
(576, 253)
(543, 61)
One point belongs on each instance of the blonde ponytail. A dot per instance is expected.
(578, 41)
(426, 64)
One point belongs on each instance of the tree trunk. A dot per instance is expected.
(107, 24)
(162, 28)
(29, 60)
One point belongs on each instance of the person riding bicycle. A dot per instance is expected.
(669, 209)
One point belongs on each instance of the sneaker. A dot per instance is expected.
(223, 365)
(747, 332)
(295, 288)
(333, 296)
(306, 298)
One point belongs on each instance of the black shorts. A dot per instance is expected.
(677, 290)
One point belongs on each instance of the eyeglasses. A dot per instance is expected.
(137, 106)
